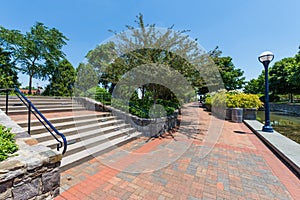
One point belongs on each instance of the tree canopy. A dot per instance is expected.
(232, 77)
(8, 76)
(62, 80)
(36, 51)
(146, 44)
(255, 86)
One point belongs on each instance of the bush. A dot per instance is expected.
(233, 99)
(272, 98)
(142, 107)
(7, 143)
(99, 94)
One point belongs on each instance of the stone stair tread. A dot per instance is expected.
(45, 110)
(34, 128)
(41, 106)
(67, 160)
(93, 134)
(68, 130)
(115, 129)
(71, 118)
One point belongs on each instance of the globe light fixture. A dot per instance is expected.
(265, 58)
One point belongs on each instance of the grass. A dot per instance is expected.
(286, 125)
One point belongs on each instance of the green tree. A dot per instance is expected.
(86, 78)
(255, 86)
(36, 51)
(8, 75)
(282, 77)
(62, 80)
(232, 77)
(147, 45)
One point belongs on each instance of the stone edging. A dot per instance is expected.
(148, 127)
(286, 149)
(33, 172)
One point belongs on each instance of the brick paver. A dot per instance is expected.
(238, 167)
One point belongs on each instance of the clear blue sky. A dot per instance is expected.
(241, 28)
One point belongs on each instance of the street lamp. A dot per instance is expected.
(265, 58)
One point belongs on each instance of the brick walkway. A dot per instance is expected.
(238, 167)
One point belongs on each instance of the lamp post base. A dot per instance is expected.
(267, 129)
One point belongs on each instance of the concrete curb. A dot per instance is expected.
(284, 148)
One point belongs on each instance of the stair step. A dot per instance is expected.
(36, 97)
(75, 130)
(66, 119)
(75, 138)
(17, 112)
(40, 107)
(87, 154)
(70, 124)
(79, 143)
(48, 102)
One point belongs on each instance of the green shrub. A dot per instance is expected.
(272, 98)
(99, 94)
(7, 143)
(233, 99)
(208, 100)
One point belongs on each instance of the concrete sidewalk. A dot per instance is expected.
(192, 163)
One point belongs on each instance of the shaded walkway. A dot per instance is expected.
(238, 167)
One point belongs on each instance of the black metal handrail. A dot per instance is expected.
(42, 119)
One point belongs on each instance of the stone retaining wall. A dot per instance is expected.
(285, 107)
(33, 173)
(149, 127)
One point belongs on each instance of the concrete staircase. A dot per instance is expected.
(88, 133)
(44, 104)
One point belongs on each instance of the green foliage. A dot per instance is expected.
(7, 143)
(256, 86)
(146, 45)
(36, 51)
(232, 77)
(8, 75)
(208, 100)
(272, 98)
(147, 108)
(233, 99)
(86, 78)
(99, 94)
(62, 80)
(282, 80)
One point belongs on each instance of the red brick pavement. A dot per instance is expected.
(238, 167)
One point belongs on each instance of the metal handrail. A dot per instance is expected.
(32, 109)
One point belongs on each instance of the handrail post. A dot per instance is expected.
(29, 118)
(6, 106)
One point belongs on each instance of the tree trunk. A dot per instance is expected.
(291, 98)
(30, 84)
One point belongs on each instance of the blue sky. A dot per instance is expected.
(241, 28)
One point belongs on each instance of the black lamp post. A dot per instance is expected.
(265, 58)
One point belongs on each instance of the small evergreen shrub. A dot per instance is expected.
(7, 143)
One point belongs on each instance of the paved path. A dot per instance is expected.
(182, 165)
